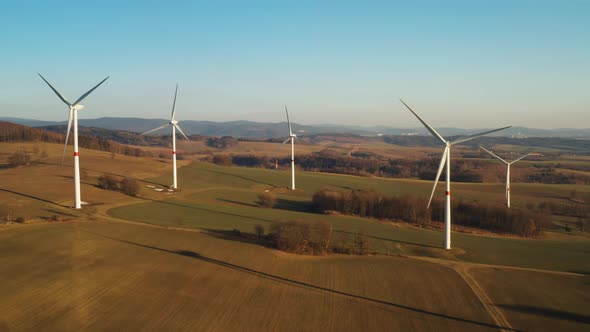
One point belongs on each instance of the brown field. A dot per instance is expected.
(535, 301)
(106, 276)
(106, 273)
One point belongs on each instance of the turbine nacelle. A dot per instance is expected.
(76, 107)
(172, 122)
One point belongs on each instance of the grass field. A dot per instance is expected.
(223, 198)
(108, 274)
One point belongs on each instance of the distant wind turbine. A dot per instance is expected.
(446, 158)
(508, 163)
(73, 115)
(292, 138)
(175, 126)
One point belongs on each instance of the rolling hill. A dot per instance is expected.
(268, 130)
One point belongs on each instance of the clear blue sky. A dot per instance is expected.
(459, 63)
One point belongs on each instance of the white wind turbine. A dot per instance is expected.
(508, 163)
(446, 159)
(175, 126)
(73, 115)
(292, 138)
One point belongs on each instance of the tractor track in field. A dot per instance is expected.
(494, 312)
(463, 270)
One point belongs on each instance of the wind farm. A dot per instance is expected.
(207, 219)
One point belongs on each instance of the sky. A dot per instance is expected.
(469, 64)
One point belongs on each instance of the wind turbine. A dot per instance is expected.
(292, 138)
(175, 126)
(446, 158)
(508, 163)
(73, 115)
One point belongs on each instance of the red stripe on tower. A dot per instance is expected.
(292, 160)
(508, 189)
(173, 152)
(448, 193)
(76, 154)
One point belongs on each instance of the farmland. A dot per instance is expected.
(161, 261)
(101, 275)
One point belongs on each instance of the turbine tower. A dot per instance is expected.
(73, 116)
(292, 138)
(174, 124)
(508, 163)
(446, 159)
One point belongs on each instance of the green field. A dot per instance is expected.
(223, 198)
(159, 262)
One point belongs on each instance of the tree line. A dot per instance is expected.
(10, 132)
(305, 238)
(412, 209)
(370, 164)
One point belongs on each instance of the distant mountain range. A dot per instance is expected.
(249, 129)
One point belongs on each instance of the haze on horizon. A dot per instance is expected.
(468, 64)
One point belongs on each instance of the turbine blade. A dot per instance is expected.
(160, 127)
(180, 130)
(428, 127)
(288, 121)
(493, 154)
(67, 136)
(89, 92)
(440, 168)
(470, 137)
(56, 92)
(287, 140)
(526, 155)
(174, 105)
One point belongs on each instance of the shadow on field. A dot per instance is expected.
(60, 213)
(242, 177)
(546, 312)
(389, 240)
(250, 238)
(32, 197)
(237, 202)
(239, 237)
(290, 205)
(268, 276)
